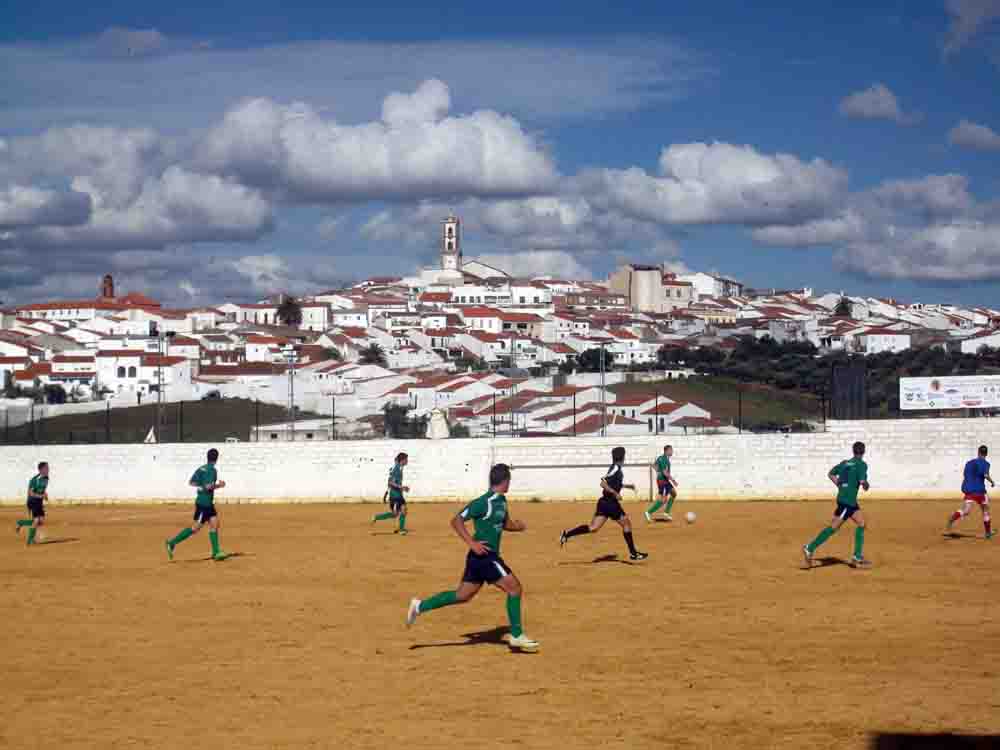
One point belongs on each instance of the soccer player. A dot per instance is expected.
(397, 500)
(848, 476)
(666, 486)
(483, 563)
(38, 495)
(977, 473)
(206, 480)
(610, 506)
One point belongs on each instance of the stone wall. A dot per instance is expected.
(907, 459)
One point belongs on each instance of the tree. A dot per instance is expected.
(843, 308)
(333, 353)
(398, 423)
(290, 312)
(590, 360)
(373, 354)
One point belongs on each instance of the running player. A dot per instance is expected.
(977, 474)
(610, 506)
(38, 495)
(848, 476)
(206, 480)
(666, 486)
(483, 563)
(397, 500)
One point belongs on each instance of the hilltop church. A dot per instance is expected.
(454, 270)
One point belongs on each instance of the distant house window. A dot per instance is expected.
(522, 300)
(274, 436)
(131, 372)
(121, 372)
(309, 436)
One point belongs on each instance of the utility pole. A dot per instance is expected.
(291, 357)
(161, 348)
(604, 406)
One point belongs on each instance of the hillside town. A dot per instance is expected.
(494, 353)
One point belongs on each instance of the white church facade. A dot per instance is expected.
(454, 270)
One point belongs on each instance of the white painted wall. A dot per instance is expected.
(907, 459)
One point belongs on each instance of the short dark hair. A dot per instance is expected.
(400, 457)
(42, 465)
(983, 450)
(213, 455)
(668, 447)
(618, 454)
(859, 448)
(499, 474)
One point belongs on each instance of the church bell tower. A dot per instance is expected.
(451, 244)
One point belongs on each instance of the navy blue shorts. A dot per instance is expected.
(844, 512)
(610, 507)
(36, 507)
(202, 513)
(397, 504)
(488, 568)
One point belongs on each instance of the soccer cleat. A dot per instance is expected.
(667, 517)
(413, 612)
(638, 555)
(860, 562)
(649, 518)
(807, 557)
(990, 534)
(401, 532)
(523, 643)
(170, 550)
(563, 539)
(374, 519)
(220, 556)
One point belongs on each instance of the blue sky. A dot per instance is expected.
(850, 147)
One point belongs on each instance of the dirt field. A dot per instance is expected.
(719, 640)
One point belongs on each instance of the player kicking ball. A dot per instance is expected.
(610, 506)
(206, 480)
(666, 486)
(977, 474)
(483, 563)
(394, 493)
(848, 476)
(38, 495)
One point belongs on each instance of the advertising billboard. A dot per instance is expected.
(950, 392)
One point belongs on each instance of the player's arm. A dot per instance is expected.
(864, 481)
(607, 488)
(509, 524)
(990, 480)
(458, 526)
(834, 475)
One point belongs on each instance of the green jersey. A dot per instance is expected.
(662, 465)
(203, 477)
(37, 486)
(850, 474)
(396, 477)
(488, 514)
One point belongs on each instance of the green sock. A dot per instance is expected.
(859, 541)
(514, 615)
(444, 599)
(402, 522)
(655, 507)
(184, 534)
(24, 522)
(820, 538)
(213, 537)
(670, 504)
(31, 535)
(384, 516)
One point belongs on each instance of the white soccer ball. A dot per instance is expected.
(691, 517)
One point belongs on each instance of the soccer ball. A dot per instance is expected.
(690, 517)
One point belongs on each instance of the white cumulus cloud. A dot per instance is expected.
(417, 150)
(968, 19)
(975, 136)
(876, 102)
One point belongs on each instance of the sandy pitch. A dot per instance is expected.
(719, 640)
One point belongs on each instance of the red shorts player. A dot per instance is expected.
(977, 474)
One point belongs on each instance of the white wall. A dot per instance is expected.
(907, 459)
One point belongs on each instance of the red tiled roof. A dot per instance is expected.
(663, 409)
(63, 358)
(435, 297)
(154, 360)
(593, 424)
(479, 312)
